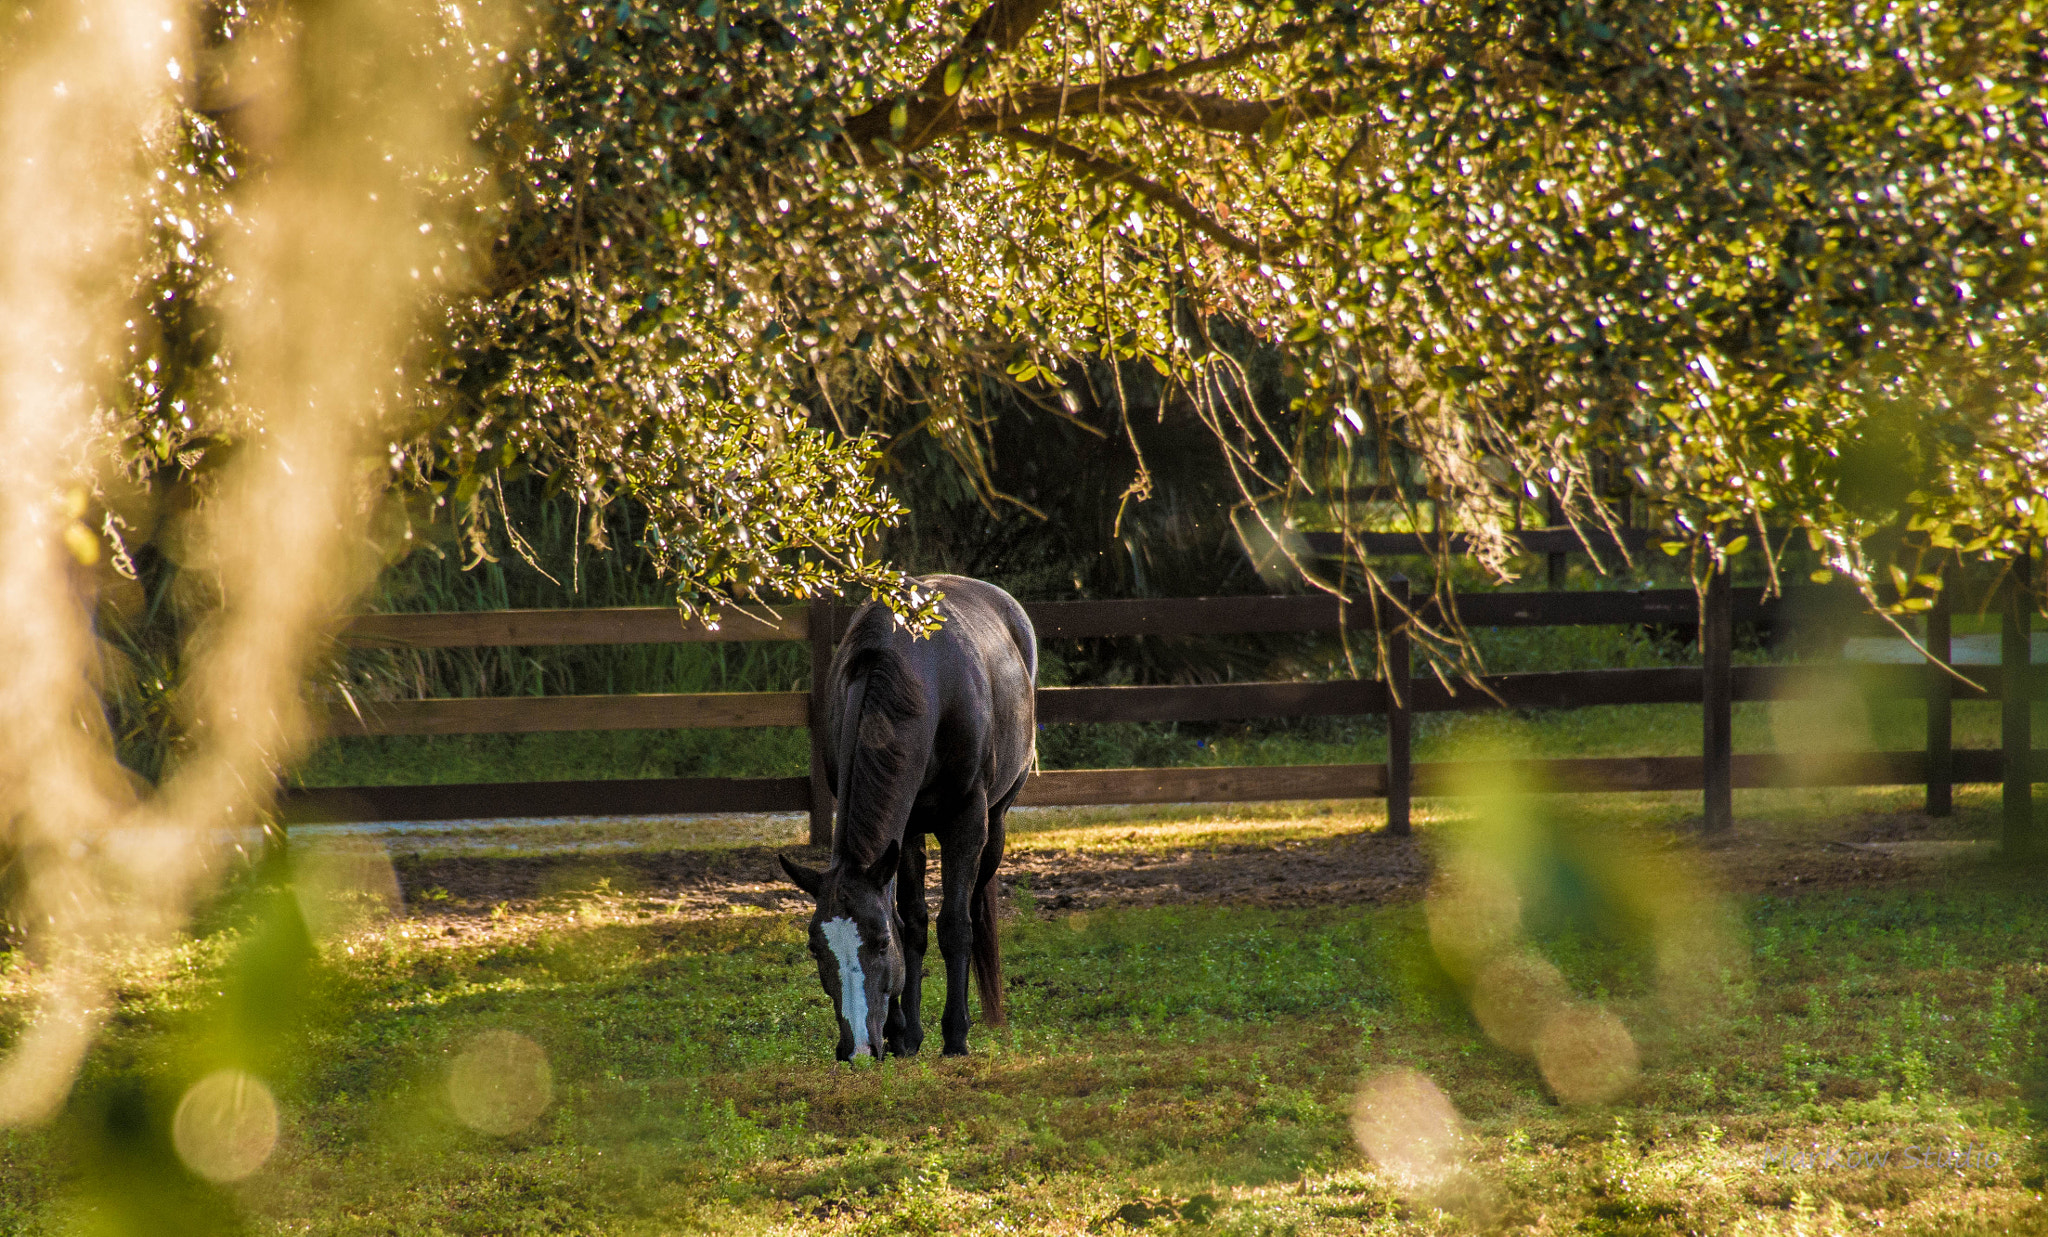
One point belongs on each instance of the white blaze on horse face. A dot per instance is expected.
(843, 938)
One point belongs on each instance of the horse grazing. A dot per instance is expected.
(933, 736)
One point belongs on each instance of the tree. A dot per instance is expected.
(1782, 266)
(1716, 249)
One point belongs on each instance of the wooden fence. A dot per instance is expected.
(1715, 684)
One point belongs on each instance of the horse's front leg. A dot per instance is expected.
(960, 845)
(904, 1031)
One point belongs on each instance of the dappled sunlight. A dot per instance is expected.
(1200, 833)
(1205, 825)
(583, 834)
(600, 1053)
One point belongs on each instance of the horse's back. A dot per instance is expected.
(992, 619)
(1007, 649)
(978, 671)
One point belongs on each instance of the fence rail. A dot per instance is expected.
(1208, 702)
(1066, 620)
(1715, 684)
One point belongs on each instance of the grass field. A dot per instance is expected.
(1835, 1034)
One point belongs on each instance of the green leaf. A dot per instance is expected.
(1736, 546)
(1822, 576)
(1146, 58)
(899, 118)
(1673, 548)
(956, 76)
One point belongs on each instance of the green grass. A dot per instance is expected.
(1188, 1066)
(412, 760)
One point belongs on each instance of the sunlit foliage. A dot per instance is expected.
(1774, 266)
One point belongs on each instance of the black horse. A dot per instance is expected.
(930, 736)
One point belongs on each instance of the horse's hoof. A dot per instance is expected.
(961, 1051)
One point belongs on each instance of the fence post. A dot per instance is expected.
(1554, 564)
(1941, 760)
(1400, 711)
(2016, 732)
(822, 633)
(1717, 748)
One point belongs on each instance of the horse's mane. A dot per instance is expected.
(881, 693)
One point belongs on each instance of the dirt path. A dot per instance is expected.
(1349, 868)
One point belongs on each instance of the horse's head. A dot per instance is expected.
(854, 939)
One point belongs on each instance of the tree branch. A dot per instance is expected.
(1112, 172)
(931, 113)
(1214, 112)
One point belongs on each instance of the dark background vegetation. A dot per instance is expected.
(1047, 511)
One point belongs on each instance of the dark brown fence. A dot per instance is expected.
(1715, 685)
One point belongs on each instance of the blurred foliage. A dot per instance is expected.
(246, 1000)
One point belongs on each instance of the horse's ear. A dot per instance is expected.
(810, 880)
(883, 870)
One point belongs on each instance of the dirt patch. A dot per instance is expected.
(1357, 868)
(1876, 848)
(691, 880)
(1370, 867)
(1345, 869)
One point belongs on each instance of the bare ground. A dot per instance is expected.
(1362, 867)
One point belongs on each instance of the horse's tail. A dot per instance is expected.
(988, 954)
(881, 694)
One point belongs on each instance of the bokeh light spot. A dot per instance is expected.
(1587, 1055)
(1515, 995)
(1696, 955)
(344, 885)
(1473, 910)
(500, 1083)
(225, 1127)
(1408, 1127)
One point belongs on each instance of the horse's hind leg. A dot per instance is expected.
(961, 840)
(904, 1030)
(988, 950)
(992, 849)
